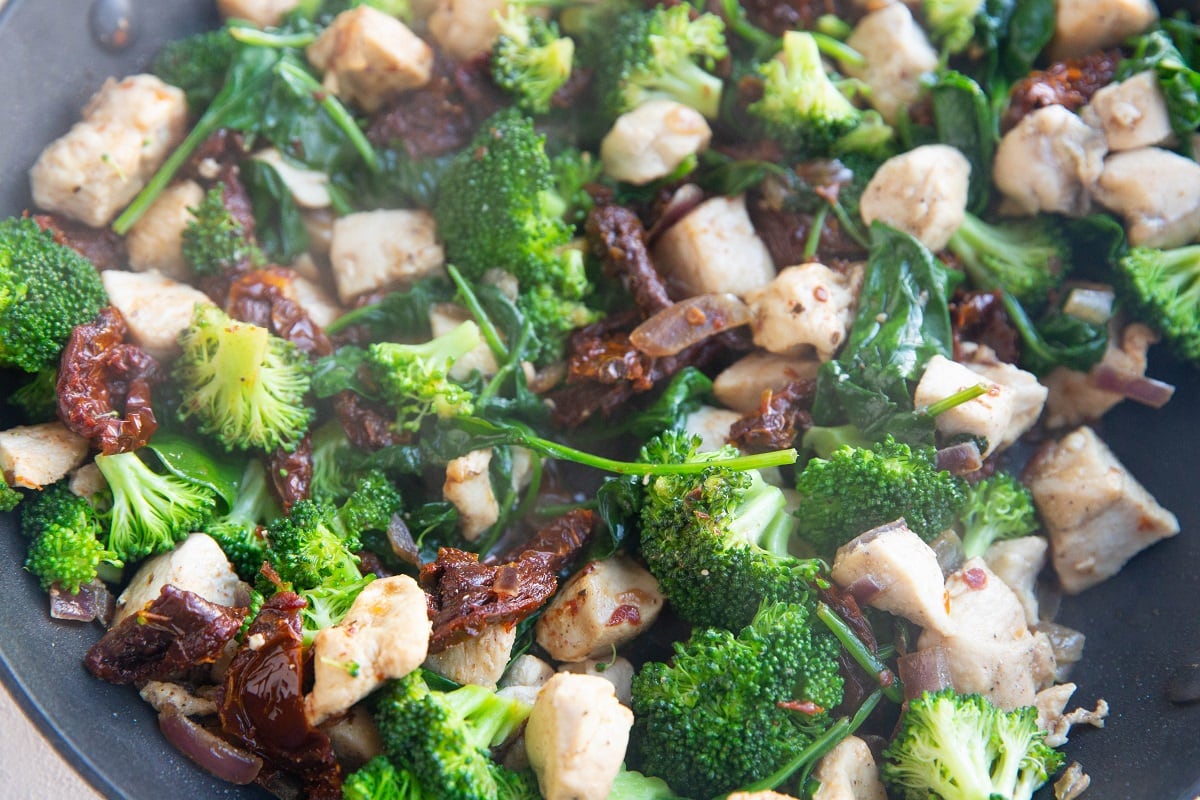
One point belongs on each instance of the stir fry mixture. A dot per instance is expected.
(480, 401)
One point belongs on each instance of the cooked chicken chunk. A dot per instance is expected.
(464, 29)
(714, 248)
(1053, 718)
(897, 54)
(711, 425)
(445, 317)
(1073, 397)
(308, 187)
(615, 669)
(1017, 562)
(156, 309)
(1081, 26)
(922, 192)
(263, 13)
(1097, 515)
(848, 772)
(1027, 392)
(1156, 192)
(1132, 113)
(741, 385)
(989, 415)
(354, 737)
(480, 660)
(1049, 162)
(196, 565)
(163, 696)
(649, 142)
(524, 678)
(155, 242)
(806, 308)
(468, 486)
(33, 456)
(374, 249)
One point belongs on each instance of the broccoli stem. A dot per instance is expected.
(486, 326)
(839, 51)
(888, 682)
(278, 41)
(955, 400)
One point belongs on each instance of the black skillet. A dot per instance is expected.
(1142, 626)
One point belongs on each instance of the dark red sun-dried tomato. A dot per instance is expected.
(291, 472)
(782, 416)
(1069, 83)
(101, 246)
(266, 297)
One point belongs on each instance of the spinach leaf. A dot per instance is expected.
(398, 314)
(619, 503)
(963, 118)
(1010, 34)
(1056, 340)
(400, 182)
(339, 371)
(279, 226)
(191, 462)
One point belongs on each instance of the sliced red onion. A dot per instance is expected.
(1067, 644)
(948, 549)
(959, 459)
(227, 762)
(1145, 390)
(401, 540)
(924, 671)
(687, 322)
(1089, 304)
(686, 198)
(864, 589)
(93, 602)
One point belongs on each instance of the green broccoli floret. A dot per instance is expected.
(658, 54)
(730, 710)
(1163, 288)
(371, 506)
(961, 747)
(240, 533)
(572, 171)
(1026, 258)
(65, 547)
(379, 780)
(951, 23)
(444, 738)
(632, 785)
(717, 541)
(309, 549)
(46, 289)
(414, 378)
(38, 397)
(328, 605)
(10, 498)
(801, 107)
(242, 384)
(530, 60)
(197, 65)
(996, 508)
(214, 242)
(857, 489)
(150, 512)
(332, 480)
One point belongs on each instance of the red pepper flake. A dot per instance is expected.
(975, 578)
(806, 707)
(624, 614)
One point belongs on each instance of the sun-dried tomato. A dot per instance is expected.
(367, 426)
(1069, 83)
(101, 246)
(618, 238)
(778, 17)
(782, 416)
(291, 473)
(266, 297)
(980, 317)
(104, 385)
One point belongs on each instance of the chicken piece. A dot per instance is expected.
(1049, 161)
(96, 168)
(445, 317)
(714, 248)
(576, 737)
(354, 737)
(465, 29)
(1073, 397)
(1051, 706)
(1027, 392)
(600, 607)
(652, 140)
(480, 660)
(196, 565)
(33, 456)
(740, 386)
(156, 308)
(1083, 26)
(989, 415)
(711, 425)
(1096, 514)
(848, 772)
(163, 696)
(891, 569)
(524, 678)
(1017, 562)
(806, 308)
(311, 296)
(896, 55)
(384, 635)
(1132, 113)
(372, 249)
(155, 242)
(87, 481)
(368, 56)
(262, 13)
(1157, 194)
(989, 647)
(922, 192)
(614, 669)
(468, 486)
(308, 187)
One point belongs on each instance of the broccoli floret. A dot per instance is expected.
(444, 738)
(717, 541)
(46, 289)
(10, 498)
(150, 512)
(1026, 258)
(951, 23)
(197, 65)
(332, 481)
(996, 508)
(65, 547)
(530, 60)
(379, 780)
(655, 54)
(38, 397)
(856, 489)
(414, 378)
(214, 242)
(800, 106)
(729, 710)
(961, 747)
(632, 785)
(328, 605)
(242, 384)
(371, 506)
(309, 549)
(1163, 288)
(573, 170)
(240, 532)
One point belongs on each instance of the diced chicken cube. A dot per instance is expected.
(308, 187)
(524, 678)
(368, 56)
(806, 308)
(445, 317)
(464, 29)
(922, 192)
(1082, 26)
(384, 635)
(848, 772)
(263, 13)
(156, 308)
(896, 55)
(714, 248)
(649, 142)
(33, 456)
(480, 660)
(1132, 113)
(740, 386)
(576, 737)
(988, 415)
(601, 606)
(155, 242)
(373, 249)
(196, 565)
(1049, 162)
(711, 425)
(616, 670)
(320, 306)
(162, 696)
(1051, 706)
(354, 737)
(468, 486)
(1017, 562)
(1074, 397)
(1157, 194)
(1096, 514)
(87, 481)
(98, 166)
(1027, 392)
(896, 572)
